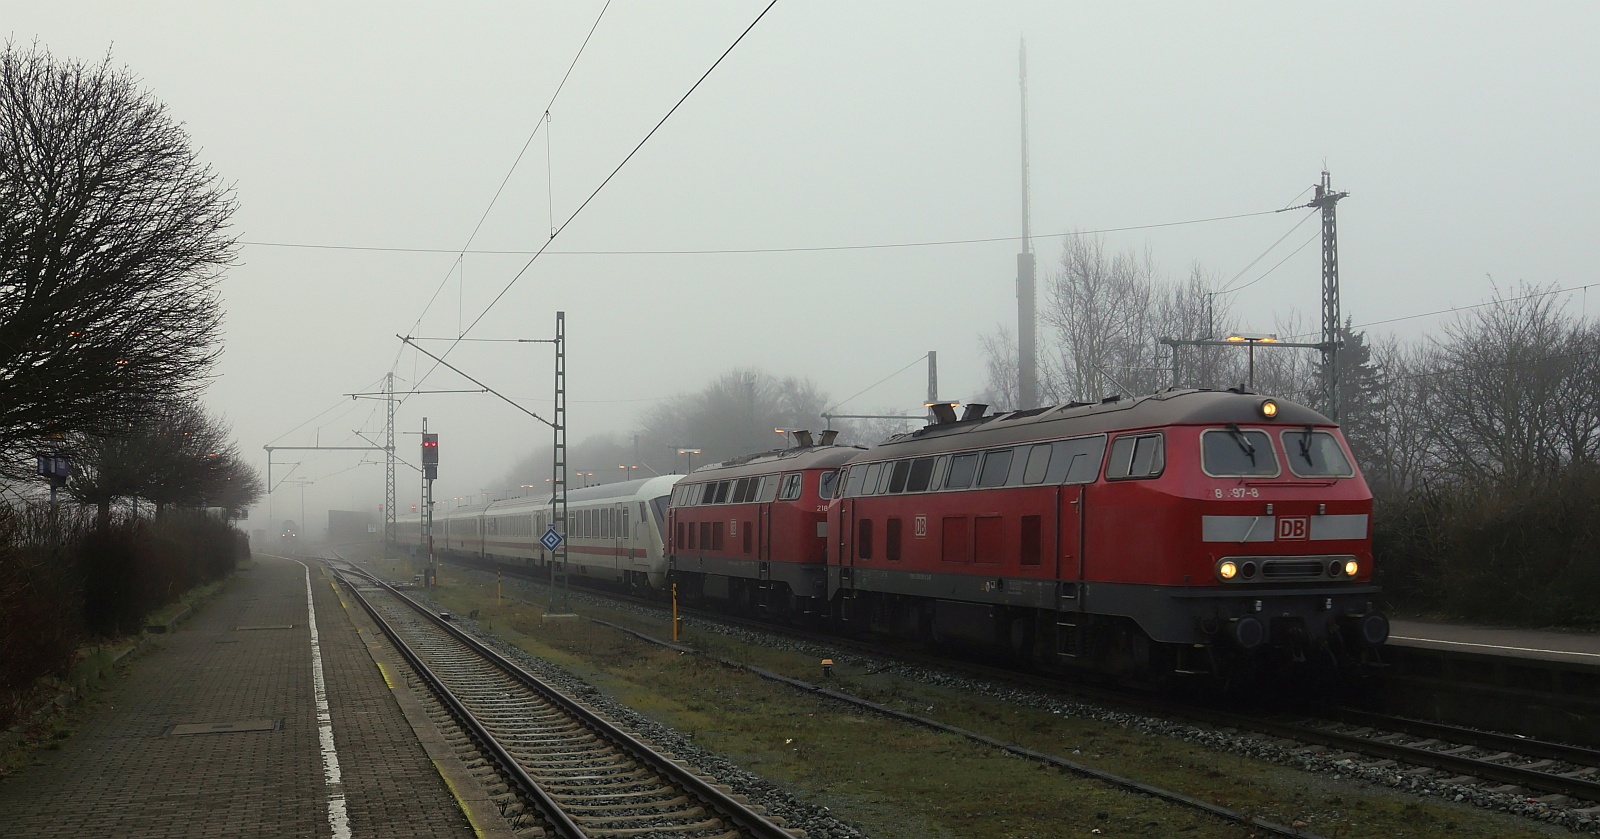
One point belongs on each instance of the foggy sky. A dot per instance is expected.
(1464, 133)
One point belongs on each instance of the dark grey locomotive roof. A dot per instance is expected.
(1175, 407)
(780, 460)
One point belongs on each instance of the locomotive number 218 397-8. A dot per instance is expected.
(1237, 492)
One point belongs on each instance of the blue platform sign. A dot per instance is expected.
(551, 539)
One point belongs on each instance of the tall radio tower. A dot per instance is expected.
(1027, 363)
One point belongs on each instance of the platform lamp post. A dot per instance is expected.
(1251, 340)
(691, 453)
(56, 467)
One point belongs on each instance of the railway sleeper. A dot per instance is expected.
(665, 802)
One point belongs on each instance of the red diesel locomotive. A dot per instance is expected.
(1185, 531)
(752, 530)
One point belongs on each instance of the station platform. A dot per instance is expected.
(1542, 644)
(239, 724)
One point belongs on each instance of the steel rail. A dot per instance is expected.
(1580, 755)
(724, 804)
(559, 822)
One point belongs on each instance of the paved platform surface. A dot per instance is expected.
(244, 661)
(1552, 645)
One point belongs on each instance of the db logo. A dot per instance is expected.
(1294, 527)
(919, 526)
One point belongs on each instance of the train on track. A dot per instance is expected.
(1189, 531)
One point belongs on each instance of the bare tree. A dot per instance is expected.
(111, 241)
(183, 457)
(1000, 354)
(1496, 387)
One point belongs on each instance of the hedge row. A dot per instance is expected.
(65, 582)
(1527, 554)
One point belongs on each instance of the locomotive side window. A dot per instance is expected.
(740, 487)
(769, 490)
(1232, 453)
(853, 478)
(708, 494)
(962, 468)
(940, 463)
(870, 487)
(897, 478)
(884, 479)
(921, 474)
(996, 467)
(791, 487)
(1315, 454)
(827, 484)
(722, 492)
(1038, 464)
(1136, 456)
(1076, 461)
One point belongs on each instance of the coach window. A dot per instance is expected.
(791, 487)
(996, 467)
(897, 481)
(1038, 464)
(891, 540)
(852, 482)
(827, 483)
(1136, 456)
(1315, 454)
(962, 468)
(1235, 453)
(921, 475)
(870, 487)
(864, 539)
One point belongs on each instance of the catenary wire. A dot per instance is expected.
(914, 362)
(922, 243)
(463, 250)
(534, 258)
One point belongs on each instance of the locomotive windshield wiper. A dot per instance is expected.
(1305, 446)
(1243, 441)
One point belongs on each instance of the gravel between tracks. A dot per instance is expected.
(817, 822)
(1572, 815)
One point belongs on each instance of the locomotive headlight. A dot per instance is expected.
(1351, 567)
(1227, 570)
(1269, 408)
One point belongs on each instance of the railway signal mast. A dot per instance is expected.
(430, 471)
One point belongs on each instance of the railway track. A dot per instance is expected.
(1555, 774)
(582, 775)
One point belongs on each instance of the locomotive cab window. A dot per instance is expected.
(1315, 454)
(852, 482)
(1136, 456)
(791, 487)
(1236, 453)
(827, 484)
(1038, 464)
